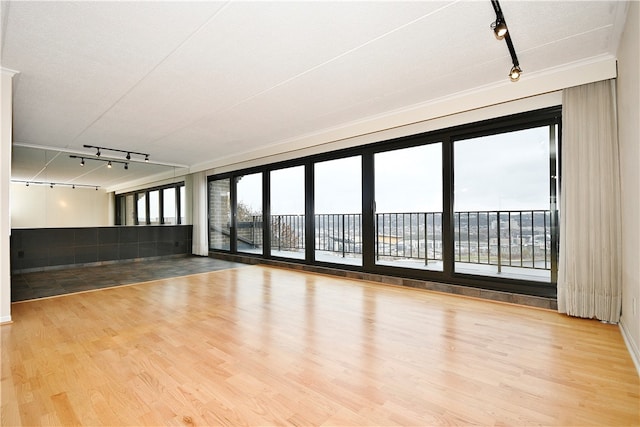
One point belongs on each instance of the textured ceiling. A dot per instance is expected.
(192, 81)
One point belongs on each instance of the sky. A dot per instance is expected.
(508, 171)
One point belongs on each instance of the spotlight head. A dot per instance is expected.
(96, 188)
(98, 153)
(126, 166)
(146, 158)
(128, 156)
(499, 28)
(109, 165)
(515, 73)
(82, 162)
(73, 186)
(27, 184)
(51, 185)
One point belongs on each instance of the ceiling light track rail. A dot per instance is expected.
(97, 159)
(55, 184)
(128, 156)
(501, 31)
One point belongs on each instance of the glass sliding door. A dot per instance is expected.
(408, 200)
(287, 212)
(338, 210)
(249, 213)
(220, 214)
(502, 216)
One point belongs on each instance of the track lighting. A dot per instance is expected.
(128, 152)
(96, 188)
(499, 27)
(107, 161)
(126, 166)
(514, 74)
(56, 184)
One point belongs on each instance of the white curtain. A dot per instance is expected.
(589, 271)
(200, 243)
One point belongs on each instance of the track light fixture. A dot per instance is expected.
(500, 30)
(108, 162)
(128, 152)
(55, 184)
(514, 74)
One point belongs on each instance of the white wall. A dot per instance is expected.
(6, 118)
(629, 135)
(38, 206)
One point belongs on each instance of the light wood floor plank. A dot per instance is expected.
(266, 346)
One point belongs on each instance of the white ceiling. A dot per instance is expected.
(189, 82)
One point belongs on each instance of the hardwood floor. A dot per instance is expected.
(266, 346)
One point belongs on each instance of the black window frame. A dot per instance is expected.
(121, 201)
(544, 117)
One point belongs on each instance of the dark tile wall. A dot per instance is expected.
(39, 248)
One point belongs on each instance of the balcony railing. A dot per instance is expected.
(499, 238)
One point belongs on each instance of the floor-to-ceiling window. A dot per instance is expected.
(249, 213)
(472, 204)
(287, 226)
(408, 207)
(502, 215)
(338, 210)
(220, 214)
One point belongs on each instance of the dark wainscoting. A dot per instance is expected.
(35, 249)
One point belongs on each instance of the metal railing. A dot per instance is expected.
(409, 235)
(504, 238)
(500, 238)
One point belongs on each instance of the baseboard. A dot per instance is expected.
(5, 319)
(631, 345)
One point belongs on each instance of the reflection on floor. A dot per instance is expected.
(42, 284)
